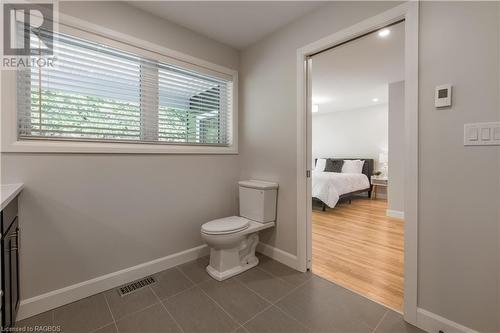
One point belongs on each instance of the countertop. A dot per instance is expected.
(9, 192)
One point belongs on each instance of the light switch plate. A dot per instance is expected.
(482, 134)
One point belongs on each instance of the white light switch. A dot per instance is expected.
(473, 133)
(496, 133)
(485, 134)
(482, 134)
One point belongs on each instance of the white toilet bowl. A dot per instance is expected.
(232, 240)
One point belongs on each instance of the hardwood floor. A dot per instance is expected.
(360, 248)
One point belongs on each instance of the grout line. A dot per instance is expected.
(220, 306)
(258, 313)
(196, 285)
(291, 291)
(271, 303)
(137, 311)
(187, 277)
(163, 305)
(291, 318)
(237, 328)
(111, 312)
(337, 284)
(242, 327)
(380, 321)
(97, 329)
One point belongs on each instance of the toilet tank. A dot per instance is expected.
(258, 200)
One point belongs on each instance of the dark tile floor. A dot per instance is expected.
(269, 298)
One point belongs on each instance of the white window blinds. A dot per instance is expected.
(100, 93)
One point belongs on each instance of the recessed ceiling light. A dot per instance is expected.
(384, 33)
(375, 100)
(315, 108)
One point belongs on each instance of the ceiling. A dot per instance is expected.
(357, 74)
(235, 23)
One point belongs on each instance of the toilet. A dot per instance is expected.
(232, 240)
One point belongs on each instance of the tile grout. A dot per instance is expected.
(380, 321)
(168, 312)
(290, 316)
(271, 304)
(220, 306)
(137, 311)
(216, 303)
(111, 312)
(159, 301)
(197, 285)
(258, 313)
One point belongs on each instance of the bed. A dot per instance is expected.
(330, 187)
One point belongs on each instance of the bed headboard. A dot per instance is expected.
(367, 166)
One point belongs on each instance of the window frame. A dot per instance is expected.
(83, 29)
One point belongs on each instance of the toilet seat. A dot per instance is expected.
(226, 225)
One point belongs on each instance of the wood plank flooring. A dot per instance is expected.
(360, 248)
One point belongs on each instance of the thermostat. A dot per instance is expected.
(443, 96)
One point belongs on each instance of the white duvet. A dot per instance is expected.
(329, 186)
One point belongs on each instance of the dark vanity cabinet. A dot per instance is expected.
(9, 227)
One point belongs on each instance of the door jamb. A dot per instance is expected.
(409, 12)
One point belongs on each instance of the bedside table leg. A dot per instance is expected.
(374, 195)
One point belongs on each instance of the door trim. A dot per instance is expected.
(408, 12)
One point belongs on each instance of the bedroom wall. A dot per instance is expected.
(359, 132)
(351, 133)
(459, 234)
(86, 215)
(396, 155)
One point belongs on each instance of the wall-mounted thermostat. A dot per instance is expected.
(443, 96)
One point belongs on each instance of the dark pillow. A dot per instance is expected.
(334, 165)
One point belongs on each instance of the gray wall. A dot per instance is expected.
(268, 128)
(396, 109)
(459, 192)
(84, 216)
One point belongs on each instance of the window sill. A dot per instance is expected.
(34, 146)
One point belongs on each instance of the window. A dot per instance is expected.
(101, 93)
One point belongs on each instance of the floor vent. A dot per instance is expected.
(136, 285)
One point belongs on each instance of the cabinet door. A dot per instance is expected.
(6, 305)
(14, 271)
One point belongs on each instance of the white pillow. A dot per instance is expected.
(320, 164)
(353, 166)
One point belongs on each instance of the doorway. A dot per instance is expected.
(408, 13)
(357, 122)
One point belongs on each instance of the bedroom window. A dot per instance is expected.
(104, 94)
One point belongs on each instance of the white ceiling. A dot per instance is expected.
(235, 23)
(352, 75)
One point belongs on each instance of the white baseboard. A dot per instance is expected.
(53, 299)
(432, 323)
(278, 255)
(395, 213)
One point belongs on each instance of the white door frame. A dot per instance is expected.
(409, 12)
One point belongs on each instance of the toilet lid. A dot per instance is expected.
(226, 225)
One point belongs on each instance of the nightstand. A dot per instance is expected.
(376, 182)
